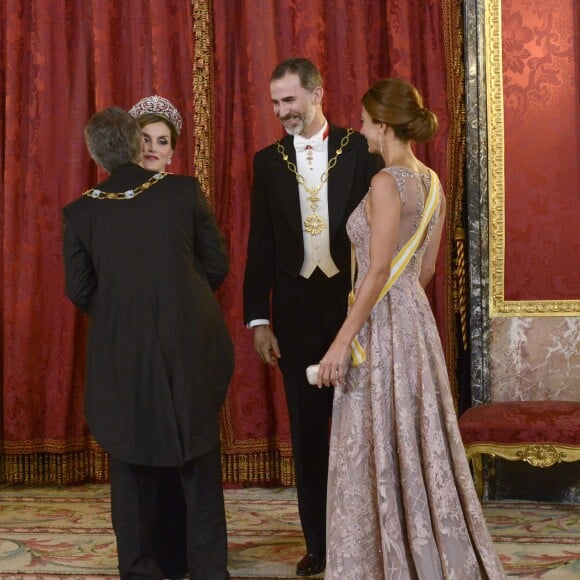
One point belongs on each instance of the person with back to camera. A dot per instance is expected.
(401, 501)
(142, 256)
(304, 188)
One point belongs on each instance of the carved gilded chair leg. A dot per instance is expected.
(477, 464)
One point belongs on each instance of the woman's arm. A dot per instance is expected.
(383, 211)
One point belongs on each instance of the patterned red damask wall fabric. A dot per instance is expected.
(542, 141)
(354, 43)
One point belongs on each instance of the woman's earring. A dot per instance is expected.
(381, 143)
(168, 161)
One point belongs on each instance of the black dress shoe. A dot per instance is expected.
(311, 564)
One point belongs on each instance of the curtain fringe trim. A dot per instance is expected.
(60, 468)
(258, 469)
(266, 468)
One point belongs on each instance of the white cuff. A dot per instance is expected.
(258, 322)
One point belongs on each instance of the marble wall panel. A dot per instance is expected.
(535, 358)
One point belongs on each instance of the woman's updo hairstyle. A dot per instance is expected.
(398, 104)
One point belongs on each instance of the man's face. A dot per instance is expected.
(293, 104)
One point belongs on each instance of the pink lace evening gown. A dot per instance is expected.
(401, 501)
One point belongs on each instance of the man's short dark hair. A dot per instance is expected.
(309, 75)
(113, 138)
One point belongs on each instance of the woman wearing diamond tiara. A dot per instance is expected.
(143, 256)
(160, 124)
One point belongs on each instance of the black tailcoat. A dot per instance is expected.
(306, 314)
(276, 243)
(159, 353)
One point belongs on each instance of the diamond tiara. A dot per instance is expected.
(158, 106)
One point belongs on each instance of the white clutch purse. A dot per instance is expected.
(312, 374)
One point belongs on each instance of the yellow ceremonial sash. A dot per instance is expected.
(399, 263)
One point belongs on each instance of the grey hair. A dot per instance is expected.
(113, 138)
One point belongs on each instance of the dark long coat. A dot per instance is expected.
(159, 353)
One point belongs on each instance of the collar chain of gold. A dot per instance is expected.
(314, 224)
(130, 193)
(313, 191)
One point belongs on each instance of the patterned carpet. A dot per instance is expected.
(65, 533)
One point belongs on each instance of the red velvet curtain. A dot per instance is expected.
(354, 43)
(60, 61)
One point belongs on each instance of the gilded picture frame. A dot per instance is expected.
(498, 305)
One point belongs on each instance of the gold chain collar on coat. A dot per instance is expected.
(130, 193)
(314, 224)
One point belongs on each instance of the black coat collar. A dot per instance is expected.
(125, 176)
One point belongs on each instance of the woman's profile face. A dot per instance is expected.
(370, 131)
(156, 148)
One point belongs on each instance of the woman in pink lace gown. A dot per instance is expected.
(401, 501)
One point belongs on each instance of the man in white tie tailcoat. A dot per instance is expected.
(305, 187)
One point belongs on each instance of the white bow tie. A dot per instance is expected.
(301, 144)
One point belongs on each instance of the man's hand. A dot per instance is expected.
(266, 345)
